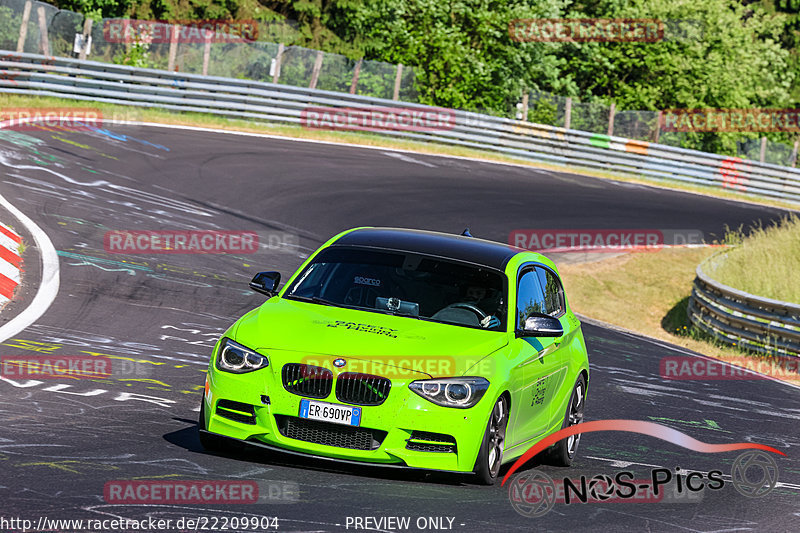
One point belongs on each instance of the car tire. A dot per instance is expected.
(490, 456)
(563, 452)
(209, 442)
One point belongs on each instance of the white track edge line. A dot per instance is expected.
(48, 289)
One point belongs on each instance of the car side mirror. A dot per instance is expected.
(266, 282)
(541, 325)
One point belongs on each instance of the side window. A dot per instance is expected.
(530, 296)
(553, 292)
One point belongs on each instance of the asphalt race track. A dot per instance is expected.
(60, 442)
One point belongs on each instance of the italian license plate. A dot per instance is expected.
(330, 412)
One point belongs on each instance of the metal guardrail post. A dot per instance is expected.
(568, 112)
(23, 27)
(87, 33)
(356, 73)
(525, 97)
(278, 60)
(611, 112)
(397, 78)
(173, 47)
(128, 35)
(44, 41)
(659, 119)
(316, 69)
(206, 51)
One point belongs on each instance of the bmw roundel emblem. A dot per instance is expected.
(339, 363)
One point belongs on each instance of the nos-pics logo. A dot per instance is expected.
(533, 494)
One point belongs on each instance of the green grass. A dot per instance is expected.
(765, 263)
(648, 293)
(130, 113)
(645, 292)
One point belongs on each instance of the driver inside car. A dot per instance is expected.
(478, 296)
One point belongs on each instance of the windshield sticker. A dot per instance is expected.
(367, 328)
(360, 280)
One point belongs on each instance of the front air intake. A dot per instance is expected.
(426, 441)
(329, 434)
(243, 413)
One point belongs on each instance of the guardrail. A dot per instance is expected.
(147, 88)
(752, 322)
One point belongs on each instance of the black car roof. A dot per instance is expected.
(470, 249)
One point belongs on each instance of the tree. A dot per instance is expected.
(721, 55)
(461, 49)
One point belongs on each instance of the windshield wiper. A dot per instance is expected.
(313, 300)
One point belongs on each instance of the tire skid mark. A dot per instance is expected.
(121, 190)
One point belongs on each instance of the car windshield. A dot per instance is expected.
(408, 284)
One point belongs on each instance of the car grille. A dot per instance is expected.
(237, 411)
(307, 380)
(425, 441)
(330, 434)
(362, 389)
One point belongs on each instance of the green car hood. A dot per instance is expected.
(433, 349)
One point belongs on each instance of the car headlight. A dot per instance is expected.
(451, 392)
(233, 357)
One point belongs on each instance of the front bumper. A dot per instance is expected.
(349, 462)
(407, 430)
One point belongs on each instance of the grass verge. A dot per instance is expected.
(763, 263)
(136, 114)
(648, 293)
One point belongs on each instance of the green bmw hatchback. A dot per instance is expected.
(403, 348)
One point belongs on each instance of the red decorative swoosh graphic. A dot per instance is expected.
(635, 426)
